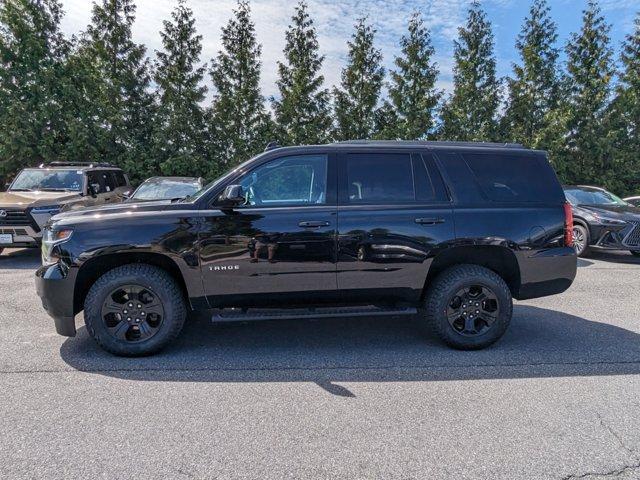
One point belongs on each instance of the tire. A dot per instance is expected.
(134, 284)
(582, 233)
(443, 293)
(1, 250)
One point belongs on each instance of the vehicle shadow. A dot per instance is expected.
(539, 343)
(23, 259)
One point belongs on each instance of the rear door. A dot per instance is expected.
(394, 216)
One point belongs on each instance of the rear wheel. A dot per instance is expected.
(134, 310)
(469, 307)
(580, 240)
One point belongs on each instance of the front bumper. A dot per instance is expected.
(23, 236)
(546, 272)
(627, 238)
(55, 287)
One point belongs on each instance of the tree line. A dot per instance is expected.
(99, 97)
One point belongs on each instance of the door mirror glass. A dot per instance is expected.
(232, 196)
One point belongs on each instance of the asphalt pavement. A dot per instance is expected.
(557, 398)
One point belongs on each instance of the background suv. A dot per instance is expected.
(448, 232)
(602, 220)
(38, 193)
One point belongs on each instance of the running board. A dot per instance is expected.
(251, 314)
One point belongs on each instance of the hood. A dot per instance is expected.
(618, 212)
(34, 199)
(114, 210)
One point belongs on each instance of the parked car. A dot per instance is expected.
(635, 201)
(448, 231)
(601, 220)
(38, 193)
(166, 188)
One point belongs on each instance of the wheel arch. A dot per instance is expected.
(95, 267)
(498, 259)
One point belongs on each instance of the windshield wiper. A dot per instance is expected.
(54, 189)
(21, 190)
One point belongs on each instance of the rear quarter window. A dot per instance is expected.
(513, 178)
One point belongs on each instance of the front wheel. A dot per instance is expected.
(580, 240)
(469, 307)
(134, 310)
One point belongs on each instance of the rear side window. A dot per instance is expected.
(514, 178)
(391, 178)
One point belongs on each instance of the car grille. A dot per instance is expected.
(14, 217)
(633, 237)
(14, 231)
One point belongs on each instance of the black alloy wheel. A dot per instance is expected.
(132, 313)
(473, 310)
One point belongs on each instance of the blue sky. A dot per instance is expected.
(335, 18)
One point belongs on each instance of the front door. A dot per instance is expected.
(394, 216)
(279, 248)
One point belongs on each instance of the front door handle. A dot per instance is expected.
(313, 224)
(429, 221)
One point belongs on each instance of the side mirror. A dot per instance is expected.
(232, 196)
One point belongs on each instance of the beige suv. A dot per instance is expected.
(36, 194)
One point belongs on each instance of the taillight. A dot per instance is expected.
(568, 225)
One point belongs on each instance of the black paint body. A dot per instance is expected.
(351, 254)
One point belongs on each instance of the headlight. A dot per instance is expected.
(609, 221)
(51, 238)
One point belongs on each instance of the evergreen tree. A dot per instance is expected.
(583, 155)
(179, 126)
(362, 79)
(533, 91)
(31, 53)
(412, 90)
(302, 112)
(124, 103)
(240, 126)
(470, 114)
(623, 120)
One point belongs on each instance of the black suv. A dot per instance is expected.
(448, 231)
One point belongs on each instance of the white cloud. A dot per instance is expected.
(334, 21)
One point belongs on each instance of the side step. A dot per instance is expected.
(251, 314)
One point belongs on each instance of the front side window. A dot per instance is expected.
(47, 180)
(288, 181)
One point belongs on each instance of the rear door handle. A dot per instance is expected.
(313, 224)
(429, 221)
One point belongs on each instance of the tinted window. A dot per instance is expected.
(120, 180)
(379, 178)
(513, 178)
(393, 178)
(287, 181)
(97, 182)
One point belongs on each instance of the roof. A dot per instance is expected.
(79, 165)
(420, 143)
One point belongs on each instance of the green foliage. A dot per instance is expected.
(412, 91)
(470, 114)
(584, 154)
(119, 87)
(623, 119)
(362, 80)
(534, 90)
(239, 124)
(179, 133)
(31, 53)
(302, 112)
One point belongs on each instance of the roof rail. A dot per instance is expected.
(432, 143)
(76, 164)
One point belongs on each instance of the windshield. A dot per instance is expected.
(165, 190)
(219, 180)
(47, 180)
(578, 196)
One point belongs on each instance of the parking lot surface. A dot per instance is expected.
(557, 398)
